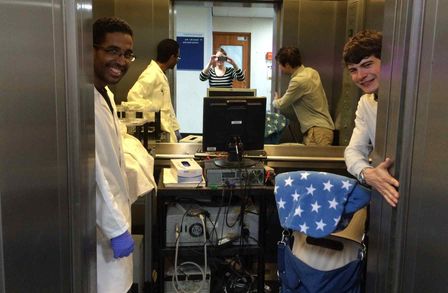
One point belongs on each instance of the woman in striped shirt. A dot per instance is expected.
(218, 74)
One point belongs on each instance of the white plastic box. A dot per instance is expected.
(186, 170)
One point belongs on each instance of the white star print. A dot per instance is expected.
(288, 181)
(336, 220)
(316, 207)
(295, 196)
(328, 185)
(281, 203)
(304, 175)
(346, 184)
(320, 225)
(303, 228)
(275, 189)
(298, 211)
(333, 203)
(310, 189)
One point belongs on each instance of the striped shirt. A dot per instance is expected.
(222, 81)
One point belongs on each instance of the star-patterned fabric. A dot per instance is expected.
(275, 124)
(317, 203)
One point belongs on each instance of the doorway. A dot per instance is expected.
(203, 21)
(237, 46)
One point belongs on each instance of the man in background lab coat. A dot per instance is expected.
(113, 42)
(151, 92)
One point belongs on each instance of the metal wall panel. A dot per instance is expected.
(317, 28)
(43, 216)
(407, 248)
(374, 14)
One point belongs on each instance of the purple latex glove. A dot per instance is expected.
(122, 245)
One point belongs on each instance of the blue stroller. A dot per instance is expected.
(327, 214)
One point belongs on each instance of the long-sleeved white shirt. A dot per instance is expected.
(363, 138)
(152, 91)
(306, 96)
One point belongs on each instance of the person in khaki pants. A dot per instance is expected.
(305, 97)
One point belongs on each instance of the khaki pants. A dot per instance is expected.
(318, 136)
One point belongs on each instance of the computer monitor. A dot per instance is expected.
(231, 92)
(234, 126)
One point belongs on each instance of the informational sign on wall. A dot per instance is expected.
(191, 52)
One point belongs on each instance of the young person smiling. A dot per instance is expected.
(362, 57)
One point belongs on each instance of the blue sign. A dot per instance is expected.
(191, 53)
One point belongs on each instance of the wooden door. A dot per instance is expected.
(237, 46)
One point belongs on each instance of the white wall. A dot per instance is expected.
(190, 90)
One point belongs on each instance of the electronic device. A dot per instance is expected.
(218, 176)
(233, 125)
(186, 170)
(222, 58)
(231, 92)
(222, 225)
(189, 281)
(192, 139)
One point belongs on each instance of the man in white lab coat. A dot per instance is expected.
(152, 91)
(113, 42)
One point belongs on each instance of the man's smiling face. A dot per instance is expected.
(366, 74)
(110, 68)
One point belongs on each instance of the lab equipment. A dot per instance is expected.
(233, 125)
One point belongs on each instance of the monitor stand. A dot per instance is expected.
(235, 158)
(239, 164)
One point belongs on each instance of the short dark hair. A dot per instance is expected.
(289, 55)
(165, 49)
(362, 45)
(105, 25)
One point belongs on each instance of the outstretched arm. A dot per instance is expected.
(380, 179)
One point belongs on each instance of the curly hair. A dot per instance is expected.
(105, 25)
(362, 45)
(289, 55)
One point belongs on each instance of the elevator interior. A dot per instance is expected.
(46, 153)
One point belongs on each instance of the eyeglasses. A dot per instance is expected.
(117, 52)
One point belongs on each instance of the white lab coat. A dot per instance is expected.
(139, 166)
(113, 206)
(152, 91)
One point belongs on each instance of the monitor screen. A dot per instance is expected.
(229, 119)
(230, 92)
